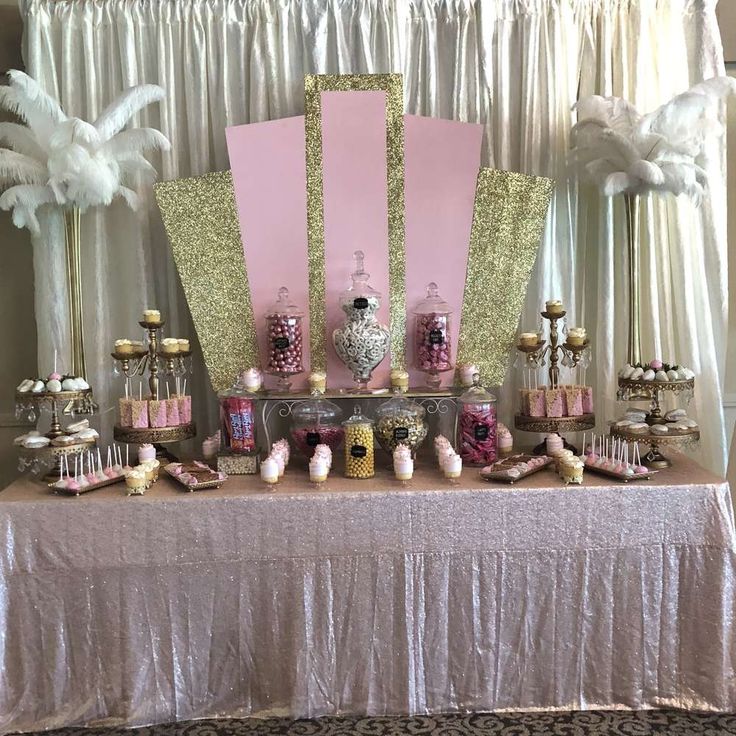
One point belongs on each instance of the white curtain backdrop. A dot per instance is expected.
(517, 66)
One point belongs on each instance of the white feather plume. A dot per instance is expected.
(65, 161)
(623, 151)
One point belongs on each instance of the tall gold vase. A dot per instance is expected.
(634, 252)
(72, 220)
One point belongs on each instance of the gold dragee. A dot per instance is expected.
(392, 84)
(201, 221)
(508, 219)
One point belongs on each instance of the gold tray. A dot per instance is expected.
(554, 424)
(90, 487)
(191, 487)
(682, 435)
(651, 386)
(60, 396)
(510, 462)
(620, 477)
(150, 435)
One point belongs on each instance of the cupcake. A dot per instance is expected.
(571, 471)
(400, 379)
(135, 480)
(554, 444)
(318, 381)
(146, 452)
(151, 468)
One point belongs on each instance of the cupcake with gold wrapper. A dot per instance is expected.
(359, 452)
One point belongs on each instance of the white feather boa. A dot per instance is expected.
(65, 161)
(621, 150)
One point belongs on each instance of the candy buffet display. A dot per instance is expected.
(151, 418)
(476, 430)
(432, 341)
(515, 468)
(315, 422)
(89, 471)
(285, 339)
(651, 382)
(359, 452)
(610, 457)
(362, 342)
(195, 476)
(401, 421)
(556, 406)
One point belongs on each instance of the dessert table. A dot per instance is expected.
(365, 597)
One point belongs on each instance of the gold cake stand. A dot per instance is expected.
(654, 458)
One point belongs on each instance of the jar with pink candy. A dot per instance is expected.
(284, 334)
(476, 426)
(316, 421)
(432, 341)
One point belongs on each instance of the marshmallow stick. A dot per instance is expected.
(76, 467)
(168, 393)
(140, 391)
(108, 456)
(626, 455)
(184, 390)
(637, 456)
(99, 459)
(126, 388)
(126, 455)
(55, 360)
(61, 468)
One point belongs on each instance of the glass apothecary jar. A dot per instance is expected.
(401, 421)
(362, 342)
(316, 421)
(359, 451)
(284, 332)
(432, 340)
(476, 425)
(238, 419)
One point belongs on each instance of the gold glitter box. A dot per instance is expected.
(238, 464)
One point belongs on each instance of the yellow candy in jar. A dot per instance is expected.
(359, 455)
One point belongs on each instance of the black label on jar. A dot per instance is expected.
(481, 432)
(401, 433)
(358, 451)
(436, 337)
(360, 303)
(312, 439)
(281, 343)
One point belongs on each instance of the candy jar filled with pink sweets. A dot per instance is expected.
(316, 421)
(238, 419)
(476, 425)
(284, 334)
(432, 341)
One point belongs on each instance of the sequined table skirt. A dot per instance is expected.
(365, 598)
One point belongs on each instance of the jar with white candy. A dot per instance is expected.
(362, 342)
(432, 346)
(284, 333)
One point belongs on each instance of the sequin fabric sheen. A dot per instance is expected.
(314, 85)
(508, 219)
(202, 225)
(365, 598)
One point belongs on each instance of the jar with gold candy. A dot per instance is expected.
(359, 452)
(400, 421)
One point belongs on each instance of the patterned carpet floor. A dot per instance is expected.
(590, 723)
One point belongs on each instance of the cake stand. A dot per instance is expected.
(533, 356)
(653, 391)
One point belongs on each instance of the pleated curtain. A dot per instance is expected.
(516, 66)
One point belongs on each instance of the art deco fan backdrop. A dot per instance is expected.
(517, 67)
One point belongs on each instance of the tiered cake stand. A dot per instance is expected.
(31, 405)
(533, 358)
(153, 361)
(653, 391)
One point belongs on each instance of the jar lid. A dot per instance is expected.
(283, 305)
(317, 410)
(357, 417)
(360, 286)
(476, 394)
(433, 303)
(400, 405)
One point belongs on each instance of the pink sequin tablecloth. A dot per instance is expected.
(365, 598)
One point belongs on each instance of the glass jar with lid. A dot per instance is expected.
(237, 419)
(284, 333)
(476, 425)
(316, 421)
(401, 421)
(432, 340)
(362, 342)
(359, 451)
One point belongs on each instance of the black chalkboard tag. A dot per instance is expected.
(401, 433)
(281, 343)
(312, 439)
(360, 303)
(436, 337)
(481, 432)
(358, 451)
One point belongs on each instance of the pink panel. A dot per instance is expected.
(269, 179)
(441, 159)
(356, 212)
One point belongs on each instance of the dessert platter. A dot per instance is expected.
(610, 457)
(555, 406)
(195, 476)
(515, 468)
(89, 472)
(153, 418)
(651, 382)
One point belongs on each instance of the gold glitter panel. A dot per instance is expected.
(202, 224)
(392, 84)
(508, 219)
